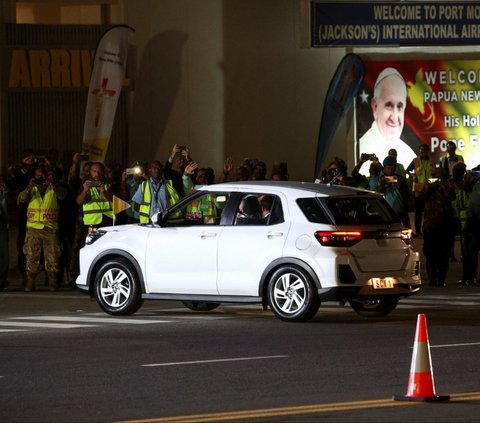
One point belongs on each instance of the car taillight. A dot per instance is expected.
(338, 238)
(406, 236)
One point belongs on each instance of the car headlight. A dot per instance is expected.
(94, 236)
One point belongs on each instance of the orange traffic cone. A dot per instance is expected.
(420, 384)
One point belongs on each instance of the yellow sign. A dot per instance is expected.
(51, 68)
(119, 205)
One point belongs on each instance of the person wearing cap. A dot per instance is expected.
(388, 107)
(451, 158)
(422, 169)
(395, 189)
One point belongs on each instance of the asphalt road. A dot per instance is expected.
(63, 360)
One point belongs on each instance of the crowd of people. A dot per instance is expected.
(56, 206)
(443, 196)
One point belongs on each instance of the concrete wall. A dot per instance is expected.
(228, 78)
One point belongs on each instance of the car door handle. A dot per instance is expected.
(208, 235)
(274, 234)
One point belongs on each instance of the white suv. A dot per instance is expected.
(286, 245)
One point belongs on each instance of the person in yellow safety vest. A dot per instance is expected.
(202, 208)
(96, 201)
(421, 169)
(155, 194)
(42, 194)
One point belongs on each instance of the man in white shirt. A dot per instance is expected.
(388, 107)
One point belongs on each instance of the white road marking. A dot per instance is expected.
(455, 345)
(44, 325)
(222, 360)
(90, 319)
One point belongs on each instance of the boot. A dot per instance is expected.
(52, 281)
(30, 281)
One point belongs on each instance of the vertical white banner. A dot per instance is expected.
(105, 87)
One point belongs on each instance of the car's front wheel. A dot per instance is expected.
(117, 289)
(374, 308)
(292, 295)
(200, 306)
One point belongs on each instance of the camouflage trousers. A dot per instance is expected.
(38, 240)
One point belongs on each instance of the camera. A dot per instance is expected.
(84, 157)
(39, 181)
(332, 172)
(366, 157)
(94, 183)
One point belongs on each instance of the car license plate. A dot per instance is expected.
(382, 283)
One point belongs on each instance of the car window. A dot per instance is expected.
(312, 210)
(361, 211)
(206, 209)
(259, 209)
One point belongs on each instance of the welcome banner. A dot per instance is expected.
(443, 105)
(104, 90)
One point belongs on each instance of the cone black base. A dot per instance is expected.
(436, 398)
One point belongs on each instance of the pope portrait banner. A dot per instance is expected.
(443, 104)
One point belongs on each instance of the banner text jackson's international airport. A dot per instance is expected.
(395, 23)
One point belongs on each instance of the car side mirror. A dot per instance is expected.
(157, 218)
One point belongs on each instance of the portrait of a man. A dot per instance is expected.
(388, 108)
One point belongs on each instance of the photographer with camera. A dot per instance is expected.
(42, 195)
(132, 177)
(395, 189)
(336, 173)
(155, 194)
(95, 199)
(421, 169)
(367, 182)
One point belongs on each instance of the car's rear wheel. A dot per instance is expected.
(200, 306)
(117, 289)
(374, 308)
(292, 295)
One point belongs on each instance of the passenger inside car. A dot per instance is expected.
(249, 211)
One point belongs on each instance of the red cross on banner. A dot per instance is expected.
(105, 87)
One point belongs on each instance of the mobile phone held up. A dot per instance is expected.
(366, 156)
(181, 149)
(133, 170)
(94, 183)
(391, 179)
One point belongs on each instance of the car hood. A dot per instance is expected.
(119, 228)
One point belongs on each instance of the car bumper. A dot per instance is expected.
(367, 292)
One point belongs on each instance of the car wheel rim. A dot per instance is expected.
(115, 287)
(290, 293)
(370, 305)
